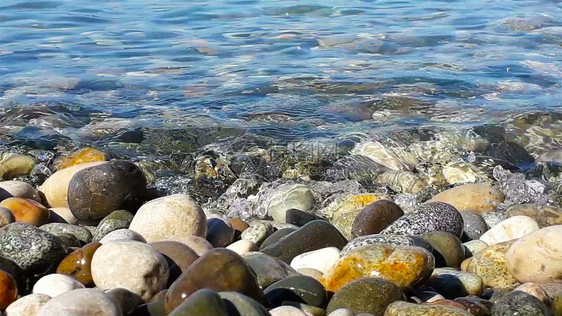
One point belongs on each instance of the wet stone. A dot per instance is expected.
(78, 264)
(204, 302)
(126, 300)
(81, 233)
(452, 283)
(6, 216)
(84, 302)
(276, 236)
(401, 308)
(480, 198)
(220, 233)
(474, 225)
(490, 265)
(449, 251)
(298, 217)
(84, 155)
(299, 288)
(321, 259)
(544, 215)
(475, 305)
(257, 232)
(27, 211)
(268, 269)
(19, 189)
(239, 304)
(8, 289)
(397, 240)
(375, 217)
(115, 220)
(11, 268)
(522, 304)
(150, 309)
(178, 256)
(289, 196)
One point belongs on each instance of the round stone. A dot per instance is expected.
(481, 198)
(239, 226)
(388, 239)
(198, 244)
(257, 232)
(81, 233)
(80, 302)
(115, 220)
(239, 304)
(537, 257)
(28, 305)
(35, 251)
(286, 311)
(544, 215)
(170, 218)
(202, 302)
(276, 236)
(133, 265)
(474, 246)
(521, 304)
(178, 256)
(298, 217)
(475, 305)
(220, 232)
(122, 234)
(298, 288)
(87, 191)
(474, 225)
(512, 228)
(452, 283)
(268, 269)
(427, 218)
(404, 265)
(366, 295)
(219, 270)
(341, 312)
(56, 284)
(20, 189)
(14, 165)
(11, 268)
(27, 211)
(401, 308)
(55, 188)
(78, 264)
(6, 216)
(536, 290)
(126, 300)
(288, 196)
(450, 252)
(313, 273)
(243, 246)
(322, 259)
(8, 289)
(375, 217)
(490, 265)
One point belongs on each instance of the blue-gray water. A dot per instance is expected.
(82, 70)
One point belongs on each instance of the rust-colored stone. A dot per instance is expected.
(78, 264)
(8, 289)
(27, 211)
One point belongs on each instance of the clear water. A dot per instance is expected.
(286, 69)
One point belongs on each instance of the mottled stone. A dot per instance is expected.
(312, 236)
(404, 265)
(452, 283)
(474, 225)
(27, 211)
(80, 302)
(243, 246)
(84, 155)
(427, 218)
(388, 239)
(449, 251)
(298, 288)
(288, 196)
(268, 269)
(509, 229)
(95, 192)
(536, 290)
(219, 270)
(276, 236)
(8, 289)
(20, 189)
(220, 232)
(375, 217)
(78, 264)
(122, 234)
(28, 305)
(471, 197)
(56, 284)
(401, 308)
(544, 215)
(171, 217)
(322, 259)
(126, 300)
(366, 295)
(257, 232)
(537, 257)
(6, 216)
(133, 265)
(115, 220)
(490, 265)
(81, 233)
(239, 304)
(33, 250)
(521, 304)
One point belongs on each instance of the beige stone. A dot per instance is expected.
(243, 246)
(20, 189)
(80, 302)
(481, 198)
(56, 284)
(512, 228)
(28, 305)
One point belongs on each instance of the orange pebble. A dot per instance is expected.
(27, 211)
(8, 289)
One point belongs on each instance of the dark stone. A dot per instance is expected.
(35, 251)
(427, 218)
(220, 233)
(276, 236)
(268, 270)
(69, 241)
(300, 288)
(474, 225)
(9, 266)
(375, 217)
(4, 194)
(81, 233)
(366, 295)
(520, 304)
(125, 299)
(449, 251)
(95, 192)
(475, 305)
(219, 270)
(150, 309)
(115, 220)
(312, 236)
(299, 218)
(179, 257)
(159, 297)
(240, 305)
(204, 302)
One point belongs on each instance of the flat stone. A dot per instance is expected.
(219, 270)
(474, 225)
(427, 218)
(257, 232)
(404, 265)
(27, 211)
(80, 302)
(401, 308)
(20, 189)
(268, 269)
(8, 289)
(122, 234)
(509, 229)
(171, 217)
(398, 240)
(56, 284)
(471, 197)
(81, 233)
(452, 283)
(322, 259)
(288, 196)
(490, 265)
(220, 232)
(239, 304)
(298, 288)
(544, 215)
(312, 236)
(243, 246)
(365, 295)
(521, 304)
(115, 220)
(28, 305)
(133, 265)
(375, 217)
(450, 252)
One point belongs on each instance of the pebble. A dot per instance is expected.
(239, 304)
(474, 246)
(404, 265)
(298, 288)
(11, 268)
(401, 308)
(480, 198)
(126, 300)
(219, 270)
(509, 229)
(242, 247)
(115, 220)
(286, 311)
(388, 239)
(133, 265)
(239, 226)
(123, 179)
(375, 217)
(490, 265)
(172, 217)
(35, 251)
(198, 244)
(180, 254)
(322, 259)
(257, 232)
(20, 189)
(220, 232)
(202, 302)
(341, 312)
(28, 305)
(150, 309)
(122, 234)
(365, 295)
(288, 196)
(81, 233)
(536, 290)
(80, 302)
(475, 305)
(388, 158)
(14, 165)
(298, 217)
(537, 257)
(56, 284)
(473, 225)
(521, 304)
(62, 215)
(84, 155)
(6, 216)
(452, 283)
(313, 273)
(544, 215)
(312, 236)
(8, 289)
(27, 211)
(55, 188)
(449, 251)
(427, 218)
(78, 264)
(276, 236)
(268, 270)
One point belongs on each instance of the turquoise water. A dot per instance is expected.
(82, 70)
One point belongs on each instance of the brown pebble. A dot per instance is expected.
(8, 289)
(78, 264)
(27, 211)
